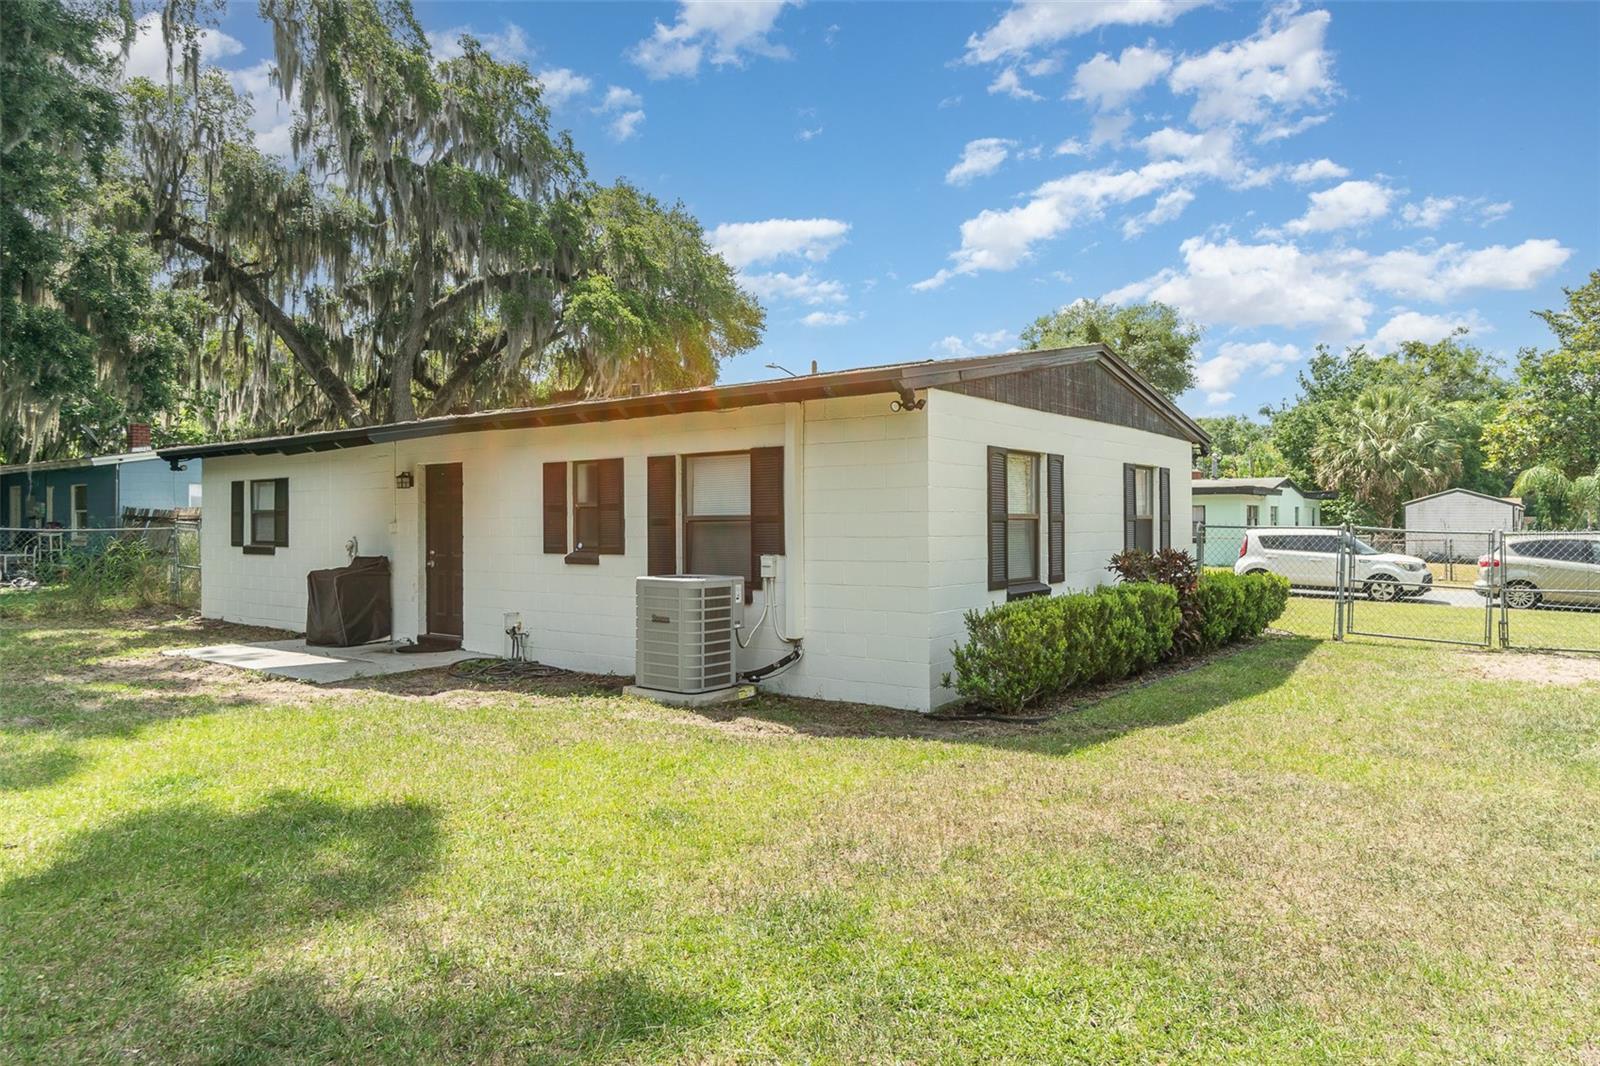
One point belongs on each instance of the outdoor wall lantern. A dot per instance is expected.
(403, 480)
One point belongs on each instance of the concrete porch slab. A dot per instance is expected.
(296, 660)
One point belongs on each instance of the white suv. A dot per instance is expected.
(1309, 558)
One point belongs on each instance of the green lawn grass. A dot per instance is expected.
(1303, 851)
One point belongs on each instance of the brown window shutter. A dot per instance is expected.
(612, 538)
(766, 510)
(280, 513)
(1055, 491)
(236, 516)
(1130, 527)
(1165, 514)
(661, 513)
(555, 508)
(999, 568)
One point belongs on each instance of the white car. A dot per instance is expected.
(1309, 558)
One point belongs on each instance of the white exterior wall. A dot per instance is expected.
(960, 430)
(1447, 524)
(857, 541)
(884, 514)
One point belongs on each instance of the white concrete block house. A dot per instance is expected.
(899, 497)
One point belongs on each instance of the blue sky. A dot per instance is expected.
(904, 181)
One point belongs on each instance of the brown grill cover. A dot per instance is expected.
(349, 605)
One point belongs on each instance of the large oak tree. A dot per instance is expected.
(433, 244)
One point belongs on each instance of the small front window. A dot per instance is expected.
(1274, 513)
(1144, 508)
(586, 505)
(263, 512)
(80, 507)
(717, 514)
(1252, 516)
(1022, 518)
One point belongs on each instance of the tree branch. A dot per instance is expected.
(307, 354)
(462, 373)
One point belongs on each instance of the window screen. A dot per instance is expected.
(717, 523)
(719, 485)
(263, 512)
(1022, 517)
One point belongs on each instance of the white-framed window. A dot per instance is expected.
(1144, 508)
(1252, 515)
(1297, 516)
(49, 504)
(1022, 518)
(1273, 513)
(80, 507)
(716, 518)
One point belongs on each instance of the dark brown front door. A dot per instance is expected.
(443, 560)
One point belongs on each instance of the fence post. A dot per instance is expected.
(1200, 542)
(1340, 581)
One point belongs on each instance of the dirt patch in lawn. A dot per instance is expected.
(1539, 669)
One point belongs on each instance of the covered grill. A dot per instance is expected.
(349, 605)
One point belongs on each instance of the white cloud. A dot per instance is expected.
(809, 134)
(1072, 146)
(618, 98)
(1280, 68)
(1279, 284)
(560, 85)
(1494, 212)
(954, 346)
(1003, 239)
(1350, 203)
(1033, 23)
(994, 340)
(723, 32)
(803, 288)
(1278, 131)
(1108, 84)
(818, 319)
(978, 159)
(1217, 375)
(1319, 170)
(1443, 272)
(1415, 326)
(1430, 213)
(745, 244)
(1109, 129)
(626, 109)
(147, 55)
(1168, 206)
(626, 124)
(1257, 285)
(1008, 82)
(511, 44)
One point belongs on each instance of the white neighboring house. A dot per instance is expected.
(1455, 524)
(899, 497)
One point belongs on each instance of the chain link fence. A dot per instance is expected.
(151, 563)
(1480, 588)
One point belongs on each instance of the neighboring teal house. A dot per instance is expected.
(1229, 505)
(92, 493)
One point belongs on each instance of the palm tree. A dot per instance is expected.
(1557, 500)
(1388, 447)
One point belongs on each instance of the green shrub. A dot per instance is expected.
(1017, 653)
(1235, 607)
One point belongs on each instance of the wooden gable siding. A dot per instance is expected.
(1083, 390)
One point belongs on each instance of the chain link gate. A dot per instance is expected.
(1411, 585)
(1547, 586)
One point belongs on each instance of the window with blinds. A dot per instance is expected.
(717, 514)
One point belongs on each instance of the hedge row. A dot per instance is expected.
(1020, 652)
